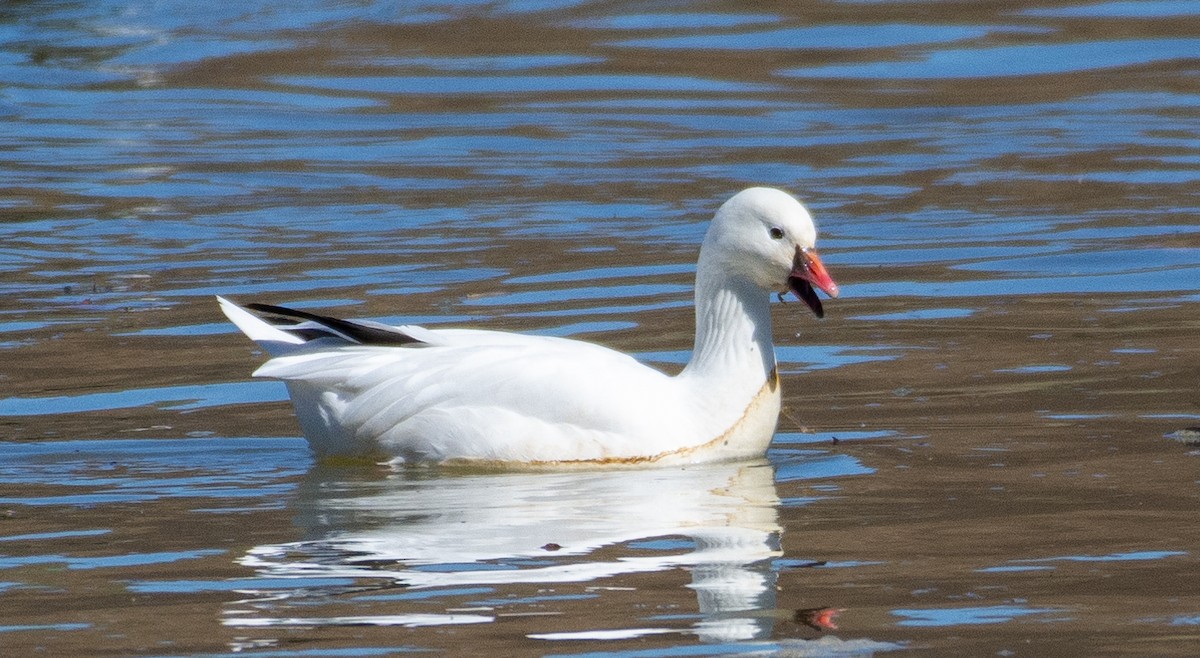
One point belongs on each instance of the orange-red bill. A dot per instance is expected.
(808, 272)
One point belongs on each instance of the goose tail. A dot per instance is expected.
(274, 340)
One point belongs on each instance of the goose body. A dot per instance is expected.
(418, 395)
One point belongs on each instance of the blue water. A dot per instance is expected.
(969, 616)
(1006, 195)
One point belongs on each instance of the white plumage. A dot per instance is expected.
(419, 395)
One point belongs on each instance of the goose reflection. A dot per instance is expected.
(426, 529)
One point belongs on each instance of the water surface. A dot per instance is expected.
(972, 457)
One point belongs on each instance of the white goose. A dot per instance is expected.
(419, 395)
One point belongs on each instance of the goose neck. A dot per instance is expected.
(733, 331)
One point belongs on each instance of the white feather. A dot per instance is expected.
(463, 394)
(270, 338)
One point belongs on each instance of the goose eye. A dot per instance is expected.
(776, 233)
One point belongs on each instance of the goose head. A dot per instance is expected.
(765, 236)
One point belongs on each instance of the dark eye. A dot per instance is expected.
(776, 233)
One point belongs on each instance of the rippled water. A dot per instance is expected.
(972, 457)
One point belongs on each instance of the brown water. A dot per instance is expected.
(972, 459)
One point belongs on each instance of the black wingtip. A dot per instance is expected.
(352, 331)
